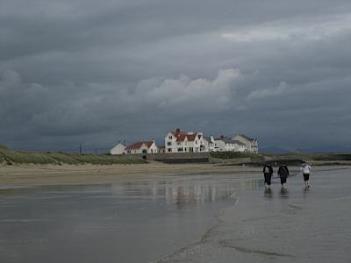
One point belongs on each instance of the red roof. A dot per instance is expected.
(138, 145)
(181, 135)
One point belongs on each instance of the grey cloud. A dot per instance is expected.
(78, 71)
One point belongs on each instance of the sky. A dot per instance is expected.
(99, 72)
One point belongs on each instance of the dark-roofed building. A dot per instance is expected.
(142, 147)
(250, 143)
(225, 144)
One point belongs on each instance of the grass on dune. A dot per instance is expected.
(9, 157)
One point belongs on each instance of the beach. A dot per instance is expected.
(33, 175)
(172, 213)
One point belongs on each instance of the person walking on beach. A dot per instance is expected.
(306, 170)
(267, 172)
(283, 173)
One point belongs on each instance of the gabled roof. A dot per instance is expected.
(207, 138)
(229, 140)
(138, 145)
(245, 137)
(181, 135)
(119, 145)
(238, 142)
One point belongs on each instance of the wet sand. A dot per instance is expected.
(137, 219)
(174, 216)
(35, 175)
(296, 225)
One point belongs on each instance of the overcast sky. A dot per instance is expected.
(97, 72)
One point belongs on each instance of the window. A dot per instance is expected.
(169, 143)
(170, 137)
(180, 149)
(169, 150)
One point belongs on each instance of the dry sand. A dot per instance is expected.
(34, 175)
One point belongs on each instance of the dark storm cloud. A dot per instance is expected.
(96, 72)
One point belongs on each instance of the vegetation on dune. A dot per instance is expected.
(279, 159)
(10, 157)
(235, 155)
(3, 147)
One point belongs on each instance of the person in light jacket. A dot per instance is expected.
(306, 171)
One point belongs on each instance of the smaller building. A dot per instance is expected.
(118, 149)
(250, 143)
(142, 147)
(161, 149)
(209, 143)
(225, 144)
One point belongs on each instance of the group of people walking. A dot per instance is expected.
(283, 173)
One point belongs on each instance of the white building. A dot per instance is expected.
(209, 143)
(180, 141)
(250, 143)
(224, 144)
(142, 147)
(118, 149)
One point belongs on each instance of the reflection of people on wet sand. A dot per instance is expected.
(267, 172)
(283, 173)
(268, 192)
(306, 170)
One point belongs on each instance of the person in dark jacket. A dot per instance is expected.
(283, 173)
(267, 172)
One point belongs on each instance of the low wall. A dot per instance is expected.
(179, 157)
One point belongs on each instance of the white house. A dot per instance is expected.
(118, 149)
(180, 141)
(250, 143)
(209, 143)
(142, 147)
(224, 144)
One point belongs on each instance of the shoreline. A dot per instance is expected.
(28, 175)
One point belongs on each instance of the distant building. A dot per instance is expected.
(142, 147)
(250, 143)
(118, 149)
(209, 143)
(180, 141)
(161, 149)
(225, 144)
